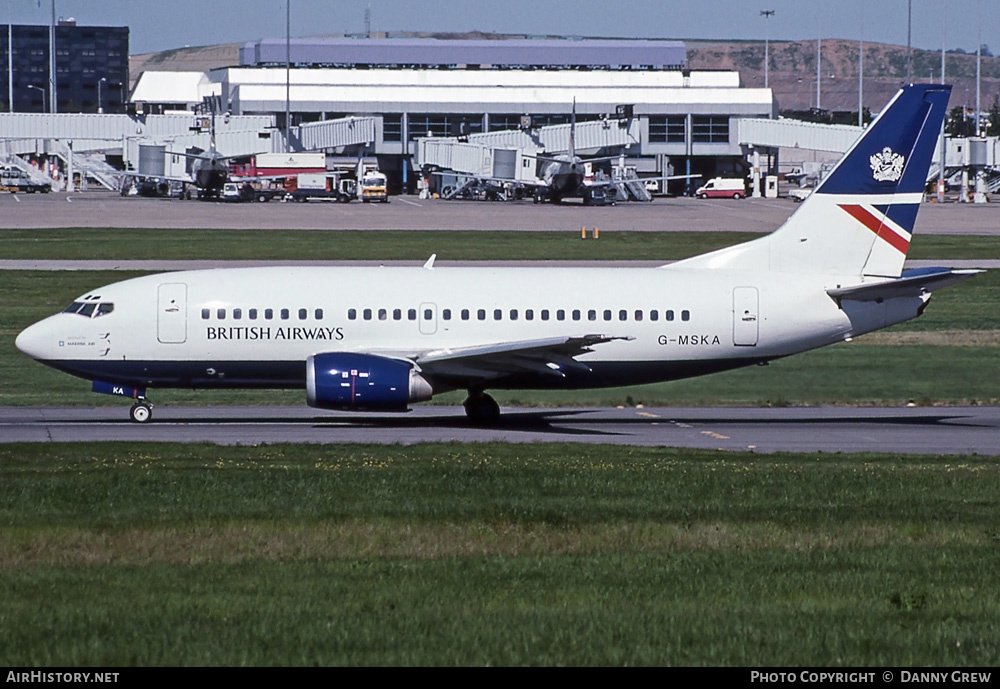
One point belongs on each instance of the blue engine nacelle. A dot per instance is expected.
(363, 382)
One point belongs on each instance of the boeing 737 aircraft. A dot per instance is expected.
(381, 338)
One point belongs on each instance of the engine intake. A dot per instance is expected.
(363, 382)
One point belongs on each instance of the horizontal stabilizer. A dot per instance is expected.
(912, 283)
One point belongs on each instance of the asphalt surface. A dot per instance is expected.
(910, 430)
(663, 214)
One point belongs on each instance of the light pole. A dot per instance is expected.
(100, 109)
(32, 86)
(767, 14)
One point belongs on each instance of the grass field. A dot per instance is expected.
(96, 243)
(118, 554)
(115, 554)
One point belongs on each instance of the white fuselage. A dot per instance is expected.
(255, 327)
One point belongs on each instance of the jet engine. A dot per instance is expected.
(363, 382)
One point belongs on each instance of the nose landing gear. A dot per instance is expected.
(141, 411)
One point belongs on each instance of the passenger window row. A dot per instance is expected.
(516, 314)
(254, 314)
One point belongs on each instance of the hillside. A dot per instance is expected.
(793, 71)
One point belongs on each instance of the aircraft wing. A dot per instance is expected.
(609, 182)
(547, 356)
(164, 178)
(912, 283)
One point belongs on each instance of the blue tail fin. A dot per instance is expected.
(860, 218)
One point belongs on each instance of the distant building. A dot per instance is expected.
(427, 87)
(85, 55)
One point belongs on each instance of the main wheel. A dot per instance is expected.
(737, 196)
(481, 409)
(140, 412)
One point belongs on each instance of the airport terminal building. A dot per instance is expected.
(683, 121)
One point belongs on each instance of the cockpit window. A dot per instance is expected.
(90, 309)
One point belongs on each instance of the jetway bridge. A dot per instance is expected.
(978, 156)
(511, 155)
(76, 139)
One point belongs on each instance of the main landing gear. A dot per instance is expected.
(481, 409)
(141, 411)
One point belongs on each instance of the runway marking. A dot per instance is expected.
(647, 414)
(411, 203)
(713, 434)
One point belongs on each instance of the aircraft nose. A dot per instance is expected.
(35, 340)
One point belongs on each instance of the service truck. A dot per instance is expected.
(374, 187)
(322, 186)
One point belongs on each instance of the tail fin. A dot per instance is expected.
(859, 220)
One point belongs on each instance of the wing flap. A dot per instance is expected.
(546, 357)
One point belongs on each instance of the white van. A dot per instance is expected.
(722, 187)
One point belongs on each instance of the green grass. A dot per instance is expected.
(119, 554)
(94, 243)
(867, 371)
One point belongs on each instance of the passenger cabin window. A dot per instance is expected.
(284, 314)
(367, 313)
(411, 314)
(303, 314)
(481, 314)
(253, 314)
(465, 314)
(206, 314)
(268, 314)
(397, 314)
(670, 315)
(221, 314)
(237, 314)
(318, 314)
(446, 314)
(685, 315)
(383, 314)
(497, 315)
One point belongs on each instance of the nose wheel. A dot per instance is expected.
(141, 412)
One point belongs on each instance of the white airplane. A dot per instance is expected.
(382, 338)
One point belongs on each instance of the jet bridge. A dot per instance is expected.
(508, 154)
